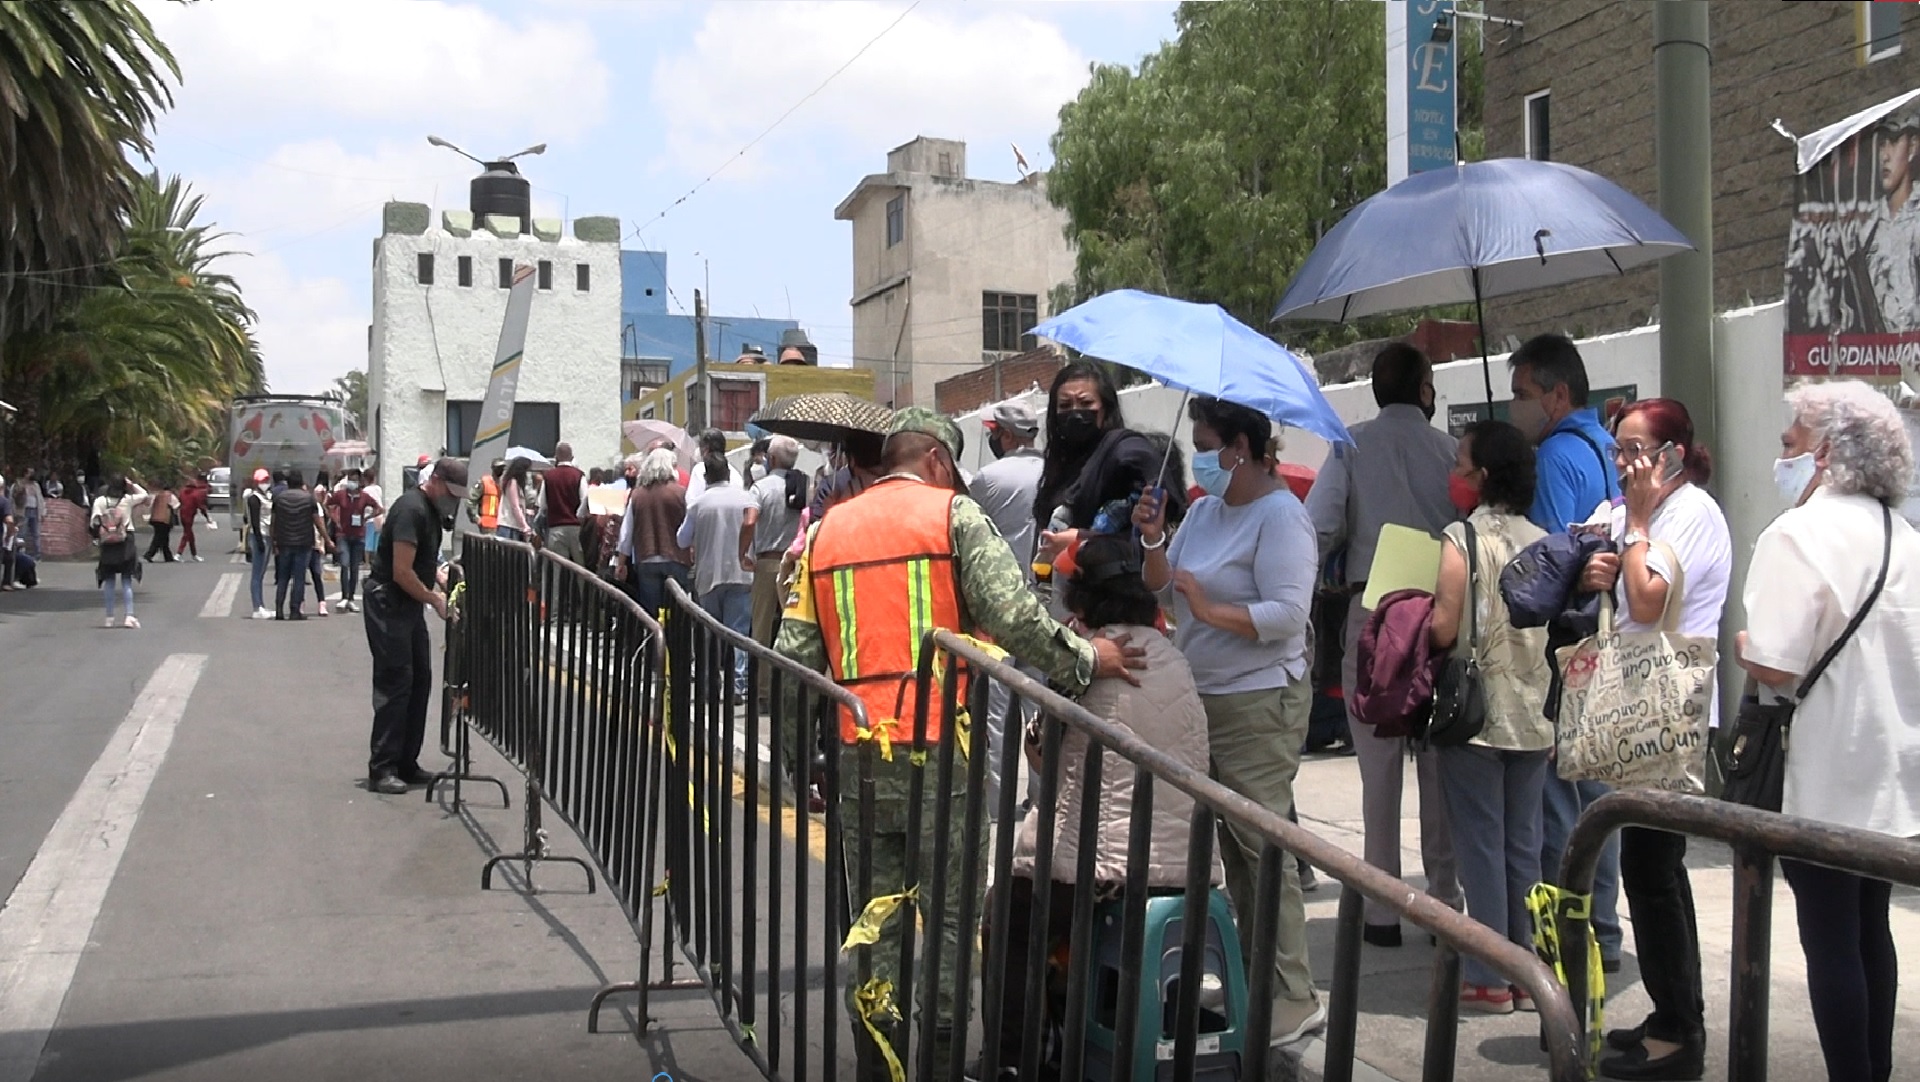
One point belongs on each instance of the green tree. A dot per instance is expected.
(352, 389)
(80, 86)
(1211, 171)
(140, 370)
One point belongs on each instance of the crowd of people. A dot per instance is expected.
(1190, 617)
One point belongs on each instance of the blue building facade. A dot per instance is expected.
(656, 344)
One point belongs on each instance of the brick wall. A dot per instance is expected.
(971, 390)
(1797, 61)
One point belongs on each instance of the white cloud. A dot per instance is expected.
(311, 329)
(262, 61)
(983, 75)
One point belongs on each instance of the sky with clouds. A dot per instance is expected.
(297, 119)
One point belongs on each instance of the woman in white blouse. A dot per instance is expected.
(1664, 516)
(1854, 758)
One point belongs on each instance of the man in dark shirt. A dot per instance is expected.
(293, 538)
(562, 486)
(400, 588)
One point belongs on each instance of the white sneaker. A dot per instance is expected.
(108, 622)
(1294, 1019)
(323, 608)
(199, 559)
(262, 614)
(130, 622)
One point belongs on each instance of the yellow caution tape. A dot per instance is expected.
(876, 998)
(879, 734)
(747, 1034)
(1548, 905)
(661, 890)
(866, 930)
(918, 757)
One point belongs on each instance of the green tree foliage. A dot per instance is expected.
(80, 86)
(1211, 171)
(140, 369)
(352, 389)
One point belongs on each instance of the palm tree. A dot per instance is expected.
(80, 86)
(142, 368)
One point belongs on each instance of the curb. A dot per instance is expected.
(1306, 1061)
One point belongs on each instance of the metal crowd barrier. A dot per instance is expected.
(629, 732)
(1757, 837)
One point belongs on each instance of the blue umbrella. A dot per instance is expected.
(1200, 349)
(1483, 229)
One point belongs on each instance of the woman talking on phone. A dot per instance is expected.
(1664, 516)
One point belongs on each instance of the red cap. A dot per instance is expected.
(424, 459)
(261, 476)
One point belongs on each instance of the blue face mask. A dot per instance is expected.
(1209, 474)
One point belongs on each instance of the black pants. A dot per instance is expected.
(1653, 872)
(402, 679)
(1853, 972)
(162, 531)
(1015, 1015)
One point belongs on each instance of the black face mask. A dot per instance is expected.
(998, 449)
(1079, 428)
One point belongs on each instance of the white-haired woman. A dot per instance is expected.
(649, 555)
(1854, 757)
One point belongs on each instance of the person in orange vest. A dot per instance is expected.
(911, 553)
(486, 498)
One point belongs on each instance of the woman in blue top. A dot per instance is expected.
(1242, 569)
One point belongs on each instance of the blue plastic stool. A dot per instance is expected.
(1223, 997)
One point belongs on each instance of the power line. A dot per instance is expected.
(794, 108)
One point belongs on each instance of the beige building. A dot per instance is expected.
(949, 273)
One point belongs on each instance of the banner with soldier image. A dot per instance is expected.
(1853, 250)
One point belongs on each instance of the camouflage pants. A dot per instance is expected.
(886, 846)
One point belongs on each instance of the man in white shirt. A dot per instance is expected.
(773, 532)
(713, 442)
(1006, 489)
(719, 529)
(1395, 473)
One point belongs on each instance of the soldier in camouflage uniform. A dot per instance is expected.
(887, 546)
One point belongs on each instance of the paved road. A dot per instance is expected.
(199, 886)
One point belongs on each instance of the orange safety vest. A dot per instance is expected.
(883, 575)
(489, 515)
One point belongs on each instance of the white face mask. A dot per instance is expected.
(1792, 476)
(1529, 416)
(758, 472)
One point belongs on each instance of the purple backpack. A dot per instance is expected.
(1395, 669)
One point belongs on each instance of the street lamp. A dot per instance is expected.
(537, 148)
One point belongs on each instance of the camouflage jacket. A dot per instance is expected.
(993, 593)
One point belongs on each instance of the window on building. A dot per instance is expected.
(466, 270)
(1879, 30)
(535, 425)
(425, 271)
(647, 414)
(546, 274)
(946, 165)
(666, 409)
(640, 376)
(735, 401)
(896, 220)
(1540, 126)
(582, 277)
(1005, 319)
(506, 274)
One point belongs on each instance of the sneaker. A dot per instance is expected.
(1524, 1002)
(199, 559)
(261, 614)
(1485, 999)
(108, 622)
(1294, 1019)
(130, 622)
(323, 608)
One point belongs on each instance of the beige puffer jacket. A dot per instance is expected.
(1166, 712)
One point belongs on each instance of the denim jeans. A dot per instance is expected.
(1493, 804)
(257, 555)
(1565, 800)
(290, 569)
(352, 551)
(649, 583)
(732, 605)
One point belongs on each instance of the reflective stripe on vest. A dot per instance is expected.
(883, 576)
(489, 515)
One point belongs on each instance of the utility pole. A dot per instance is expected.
(698, 424)
(1683, 152)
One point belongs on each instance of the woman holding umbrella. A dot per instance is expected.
(1094, 458)
(1243, 570)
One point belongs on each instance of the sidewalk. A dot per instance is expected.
(1502, 1048)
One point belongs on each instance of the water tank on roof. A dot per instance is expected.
(502, 191)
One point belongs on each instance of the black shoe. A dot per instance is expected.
(1380, 935)
(1309, 882)
(390, 784)
(298, 616)
(1609, 965)
(1687, 1064)
(279, 615)
(416, 776)
(1624, 1039)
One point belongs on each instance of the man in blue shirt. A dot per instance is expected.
(1576, 474)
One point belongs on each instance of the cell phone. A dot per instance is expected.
(1669, 464)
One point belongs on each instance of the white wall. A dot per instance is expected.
(435, 343)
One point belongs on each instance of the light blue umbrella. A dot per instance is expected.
(1483, 229)
(1200, 349)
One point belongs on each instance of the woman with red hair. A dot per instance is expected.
(1663, 518)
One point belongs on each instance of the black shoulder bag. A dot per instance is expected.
(1757, 766)
(1459, 701)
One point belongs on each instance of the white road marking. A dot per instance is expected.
(49, 919)
(220, 603)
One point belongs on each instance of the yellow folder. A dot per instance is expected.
(1403, 559)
